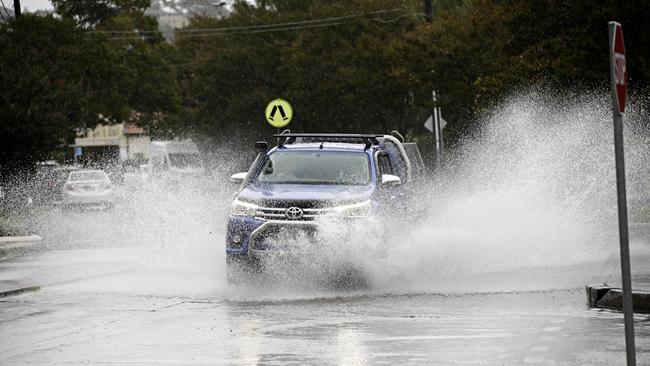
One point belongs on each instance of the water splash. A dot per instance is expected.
(528, 203)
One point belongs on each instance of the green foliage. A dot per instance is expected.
(54, 78)
(370, 68)
(376, 73)
(149, 80)
(90, 13)
(338, 78)
(129, 25)
(149, 73)
(566, 41)
(57, 77)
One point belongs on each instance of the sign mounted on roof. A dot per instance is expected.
(279, 113)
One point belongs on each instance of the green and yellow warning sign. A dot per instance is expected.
(279, 113)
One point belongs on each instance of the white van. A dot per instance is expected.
(176, 158)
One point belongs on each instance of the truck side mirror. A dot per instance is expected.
(237, 178)
(390, 180)
(262, 146)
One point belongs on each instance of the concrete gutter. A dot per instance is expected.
(10, 242)
(19, 239)
(17, 286)
(612, 298)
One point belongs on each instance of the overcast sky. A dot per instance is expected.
(33, 5)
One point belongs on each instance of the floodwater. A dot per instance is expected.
(131, 306)
(520, 219)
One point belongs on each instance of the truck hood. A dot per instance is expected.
(276, 194)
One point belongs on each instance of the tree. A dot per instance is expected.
(54, 78)
(90, 13)
(150, 80)
(339, 77)
(477, 53)
(464, 56)
(62, 77)
(566, 41)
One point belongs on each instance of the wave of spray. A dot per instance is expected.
(164, 236)
(528, 203)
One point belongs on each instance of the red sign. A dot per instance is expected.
(619, 67)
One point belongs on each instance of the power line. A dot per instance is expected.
(194, 35)
(188, 4)
(211, 32)
(267, 30)
(399, 17)
(204, 2)
(176, 2)
(265, 26)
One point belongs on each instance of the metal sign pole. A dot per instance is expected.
(436, 128)
(619, 85)
(441, 145)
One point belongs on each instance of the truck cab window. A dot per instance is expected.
(384, 165)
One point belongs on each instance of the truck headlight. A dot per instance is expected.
(239, 208)
(361, 209)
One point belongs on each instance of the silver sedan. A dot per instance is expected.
(88, 187)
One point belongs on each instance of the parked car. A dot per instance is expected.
(306, 178)
(88, 187)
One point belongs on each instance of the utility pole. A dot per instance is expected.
(16, 8)
(428, 10)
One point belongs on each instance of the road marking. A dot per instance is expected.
(552, 329)
(539, 349)
(533, 359)
(450, 336)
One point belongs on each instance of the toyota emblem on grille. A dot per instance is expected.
(293, 213)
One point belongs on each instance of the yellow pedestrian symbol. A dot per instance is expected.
(279, 113)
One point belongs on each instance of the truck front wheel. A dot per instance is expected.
(241, 269)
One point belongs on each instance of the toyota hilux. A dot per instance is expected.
(293, 188)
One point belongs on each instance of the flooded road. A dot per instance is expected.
(63, 325)
(492, 328)
(130, 297)
(493, 273)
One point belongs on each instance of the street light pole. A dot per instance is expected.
(16, 8)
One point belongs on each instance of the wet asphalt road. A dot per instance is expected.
(62, 326)
(109, 299)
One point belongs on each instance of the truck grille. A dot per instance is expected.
(280, 236)
(280, 213)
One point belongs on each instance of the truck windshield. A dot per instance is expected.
(185, 160)
(316, 167)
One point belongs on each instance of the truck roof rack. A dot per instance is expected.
(290, 138)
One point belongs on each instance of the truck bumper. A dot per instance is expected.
(258, 237)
